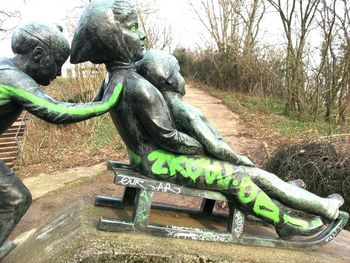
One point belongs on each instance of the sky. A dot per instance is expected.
(187, 30)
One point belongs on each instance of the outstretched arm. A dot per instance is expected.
(155, 116)
(43, 106)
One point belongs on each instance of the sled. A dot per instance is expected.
(138, 194)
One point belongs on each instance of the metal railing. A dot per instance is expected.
(23, 122)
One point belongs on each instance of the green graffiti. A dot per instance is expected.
(264, 206)
(225, 181)
(134, 157)
(160, 158)
(213, 172)
(187, 167)
(6, 92)
(316, 222)
(296, 222)
(175, 166)
(247, 191)
(194, 167)
(235, 183)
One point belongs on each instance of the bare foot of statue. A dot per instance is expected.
(298, 182)
(288, 230)
(334, 202)
(6, 248)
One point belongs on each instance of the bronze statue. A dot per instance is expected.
(108, 32)
(40, 51)
(163, 71)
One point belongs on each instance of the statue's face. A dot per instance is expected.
(133, 37)
(49, 66)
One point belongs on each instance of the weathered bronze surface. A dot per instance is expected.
(164, 135)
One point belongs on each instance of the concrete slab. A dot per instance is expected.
(66, 232)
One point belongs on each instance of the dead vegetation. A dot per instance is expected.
(324, 165)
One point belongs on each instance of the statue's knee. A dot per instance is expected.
(26, 197)
(22, 198)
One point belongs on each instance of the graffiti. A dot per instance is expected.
(149, 185)
(165, 188)
(295, 222)
(134, 157)
(198, 234)
(164, 163)
(238, 219)
(221, 173)
(131, 181)
(333, 235)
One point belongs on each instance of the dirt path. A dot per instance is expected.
(231, 125)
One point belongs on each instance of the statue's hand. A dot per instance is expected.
(244, 160)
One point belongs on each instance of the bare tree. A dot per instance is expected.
(297, 17)
(325, 72)
(333, 75)
(159, 36)
(220, 21)
(8, 21)
(233, 27)
(72, 17)
(250, 13)
(344, 81)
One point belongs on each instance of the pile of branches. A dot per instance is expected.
(324, 169)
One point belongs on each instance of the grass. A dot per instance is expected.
(105, 134)
(270, 112)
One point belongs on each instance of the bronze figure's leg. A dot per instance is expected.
(294, 196)
(15, 199)
(205, 173)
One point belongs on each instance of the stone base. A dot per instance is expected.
(61, 227)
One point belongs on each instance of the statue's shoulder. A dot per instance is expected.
(12, 76)
(141, 86)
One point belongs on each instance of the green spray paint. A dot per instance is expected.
(247, 191)
(177, 164)
(6, 92)
(160, 158)
(295, 221)
(213, 173)
(264, 207)
(194, 168)
(225, 181)
(134, 157)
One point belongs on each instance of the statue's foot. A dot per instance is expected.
(298, 183)
(6, 248)
(334, 202)
(309, 227)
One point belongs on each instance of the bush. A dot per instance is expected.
(235, 71)
(324, 169)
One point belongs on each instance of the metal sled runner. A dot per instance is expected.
(139, 191)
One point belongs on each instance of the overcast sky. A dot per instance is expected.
(185, 26)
